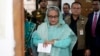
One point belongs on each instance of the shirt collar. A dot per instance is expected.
(98, 12)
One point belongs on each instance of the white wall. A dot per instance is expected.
(67, 1)
(6, 28)
(30, 5)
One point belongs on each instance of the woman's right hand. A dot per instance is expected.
(45, 44)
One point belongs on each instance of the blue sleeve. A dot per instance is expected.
(63, 43)
(36, 39)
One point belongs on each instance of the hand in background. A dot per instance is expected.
(87, 52)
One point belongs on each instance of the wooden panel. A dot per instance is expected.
(18, 13)
(86, 7)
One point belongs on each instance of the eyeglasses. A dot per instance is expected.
(53, 16)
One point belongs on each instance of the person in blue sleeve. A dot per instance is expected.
(54, 31)
(29, 27)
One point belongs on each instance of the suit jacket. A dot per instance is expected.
(91, 41)
(80, 26)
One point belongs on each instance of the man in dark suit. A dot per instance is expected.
(93, 30)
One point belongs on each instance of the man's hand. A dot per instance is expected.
(87, 52)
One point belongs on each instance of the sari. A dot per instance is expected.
(64, 36)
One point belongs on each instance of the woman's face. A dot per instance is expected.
(53, 17)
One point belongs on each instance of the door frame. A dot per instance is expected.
(18, 21)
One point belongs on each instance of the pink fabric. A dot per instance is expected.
(94, 25)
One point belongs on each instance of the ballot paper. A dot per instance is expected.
(44, 49)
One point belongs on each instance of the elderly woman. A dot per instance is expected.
(54, 31)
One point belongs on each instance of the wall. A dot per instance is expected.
(67, 1)
(7, 42)
(30, 5)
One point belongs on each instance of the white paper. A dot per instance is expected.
(44, 49)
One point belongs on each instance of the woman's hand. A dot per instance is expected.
(48, 42)
(45, 44)
(51, 42)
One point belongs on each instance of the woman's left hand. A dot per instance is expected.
(52, 42)
(48, 42)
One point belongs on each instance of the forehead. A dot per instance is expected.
(51, 12)
(65, 6)
(55, 11)
(76, 5)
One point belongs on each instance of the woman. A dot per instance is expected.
(54, 31)
(29, 27)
